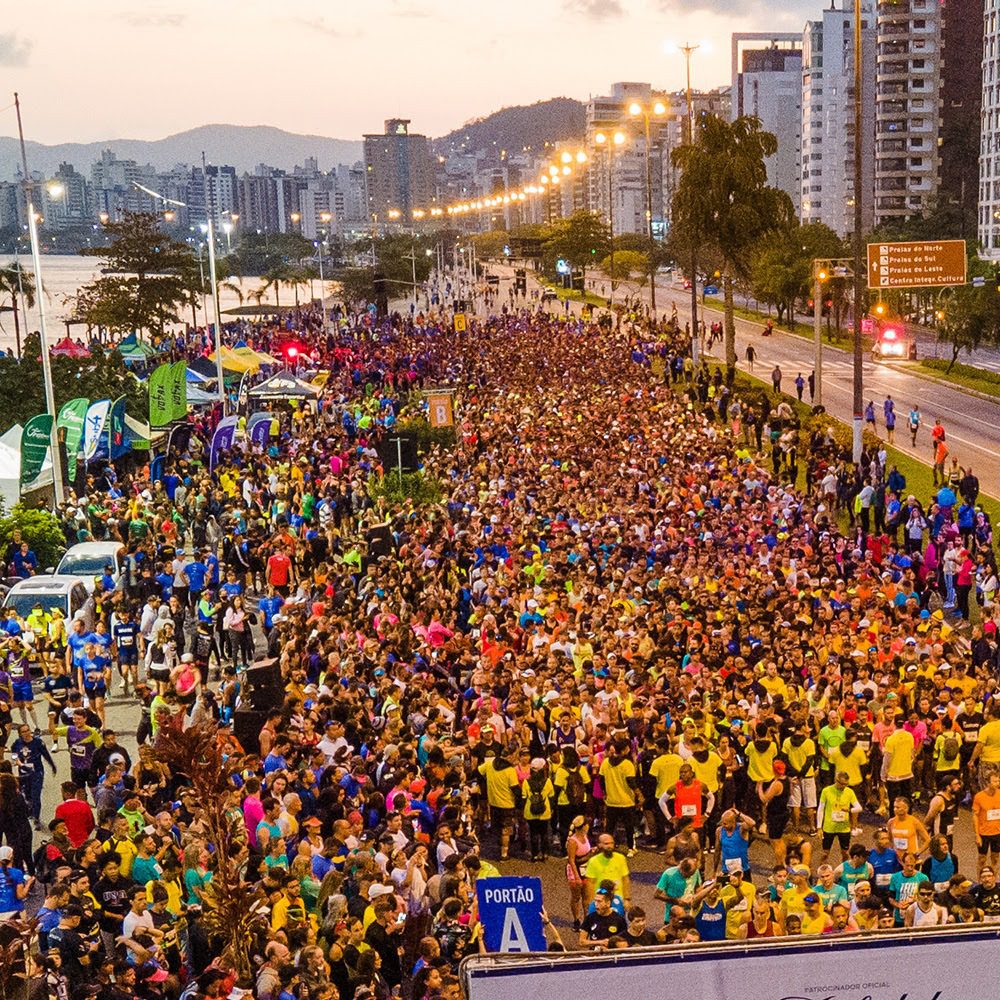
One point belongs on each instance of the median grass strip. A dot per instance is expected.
(963, 376)
(571, 293)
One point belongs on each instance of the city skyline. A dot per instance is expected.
(436, 53)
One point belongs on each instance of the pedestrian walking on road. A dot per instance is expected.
(812, 386)
(776, 378)
(800, 386)
(751, 354)
(914, 423)
(870, 414)
(890, 425)
(937, 437)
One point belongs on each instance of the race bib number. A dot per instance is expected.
(734, 865)
(689, 810)
(940, 886)
(882, 879)
(901, 843)
(971, 737)
(839, 816)
(993, 815)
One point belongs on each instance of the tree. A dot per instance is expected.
(489, 246)
(104, 375)
(781, 264)
(257, 253)
(39, 528)
(16, 282)
(969, 317)
(581, 240)
(142, 283)
(723, 198)
(629, 265)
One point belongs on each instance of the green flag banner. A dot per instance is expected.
(159, 396)
(178, 391)
(35, 440)
(72, 417)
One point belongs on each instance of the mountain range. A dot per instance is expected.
(241, 146)
(245, 146)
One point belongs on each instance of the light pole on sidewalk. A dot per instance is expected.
(658, 110)
(616, 139)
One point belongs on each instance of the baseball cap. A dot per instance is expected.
(6, 853)
(376, 889)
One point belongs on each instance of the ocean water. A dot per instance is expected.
(62, 277)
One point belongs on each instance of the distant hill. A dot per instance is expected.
(556, 120)
(240, 146)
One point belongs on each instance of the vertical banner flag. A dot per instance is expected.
(35, 440)
(510, 910)
(260, 431)
(93, 426)
(179, 438)
(439, 409)
(156, 468)
(222, 440)
(159, 396)
(178, 391)
(116, 428)
(72, 416)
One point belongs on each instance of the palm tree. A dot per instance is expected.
(15, 281)
(723, 196)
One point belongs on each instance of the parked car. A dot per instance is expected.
(88, 559)
(68, 593)
(711, 289)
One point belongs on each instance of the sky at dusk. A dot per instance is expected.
(102, 69)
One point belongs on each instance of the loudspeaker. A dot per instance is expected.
(397, 447)
(247, 724)
(379, 540)
(263, 689)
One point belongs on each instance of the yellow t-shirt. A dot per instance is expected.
(599, 868)
(802, 757)
(547, 793)
(617, 792)
(760, 763)
(899, 749)
(707, 771)
(666, 769)
(736, 911)
(989, 740)
(851, 764)
(500, 785)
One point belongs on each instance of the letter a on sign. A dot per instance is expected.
(512, 937)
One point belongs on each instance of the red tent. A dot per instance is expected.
(68, 348)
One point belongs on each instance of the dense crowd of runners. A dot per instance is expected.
(653, 611)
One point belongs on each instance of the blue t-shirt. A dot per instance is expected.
(10, 879)
(196, 573)
(77, 642)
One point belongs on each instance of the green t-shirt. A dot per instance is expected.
(828, 739)
(837, 803)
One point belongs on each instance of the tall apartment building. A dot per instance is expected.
(258, 201)
(616, 175)
(767, 84)
(927, 119)
(65, 200)
(989, 159)
(398, 171)
(827, 119)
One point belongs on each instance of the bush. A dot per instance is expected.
(39, 528)
(417, 487)
(427, 436)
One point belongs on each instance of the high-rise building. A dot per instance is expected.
(398, 172)
(827, 127)
(258, 201)
(767, 84)
(929, 94)
(989, 159)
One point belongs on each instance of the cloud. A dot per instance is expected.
(595, 10)
(153, 19)
(14, 50)
(324, 27)
(399, 8)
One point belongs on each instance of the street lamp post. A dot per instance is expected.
(658, 110)
(688, 49)
(860, 269)
(324, 217)
(36, 262)
(611, 141)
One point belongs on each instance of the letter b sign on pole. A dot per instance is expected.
(510, 910)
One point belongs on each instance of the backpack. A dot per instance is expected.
(949, 749)
(576, 790)
(42, 864)
(536, 800)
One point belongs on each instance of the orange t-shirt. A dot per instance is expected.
(986, 813)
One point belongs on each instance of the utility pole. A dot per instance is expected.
(36, 263)
(688, 51)
(210, 234)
